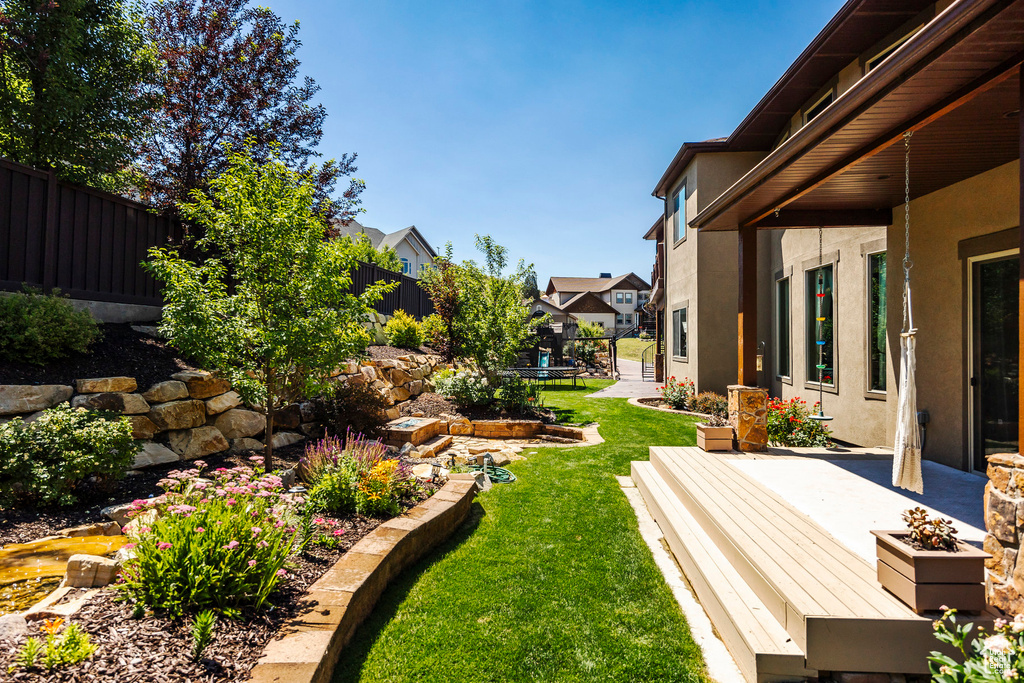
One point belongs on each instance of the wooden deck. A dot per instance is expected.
(787, 598)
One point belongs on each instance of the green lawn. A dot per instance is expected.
(630, 349)
(549, 579)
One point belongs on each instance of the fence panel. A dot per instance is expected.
(408, 296)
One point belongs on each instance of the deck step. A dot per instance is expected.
(761, 647)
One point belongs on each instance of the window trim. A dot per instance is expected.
(678, 217)
(619, 297)
(831, 259)
(786, 274)
(629, 297)
(619, 319)
(867, 251)
(683, 306)
(828, 94)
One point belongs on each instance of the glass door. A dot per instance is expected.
(995, 371)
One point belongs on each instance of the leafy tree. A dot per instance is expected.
(269, 305)
(230, 75)
(362, 248)
(530, 288)
(443, 284)
(73, 86)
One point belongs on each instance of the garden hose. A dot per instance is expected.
(498, 475)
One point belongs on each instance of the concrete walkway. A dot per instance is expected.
(630, 385)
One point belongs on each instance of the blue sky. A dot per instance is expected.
(546, 125)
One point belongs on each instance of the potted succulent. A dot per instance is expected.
(928, 567)
(714, 434)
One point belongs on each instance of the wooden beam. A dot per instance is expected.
(853, 218)
(747, 320)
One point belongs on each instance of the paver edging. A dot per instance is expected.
(310, 644)
(636, 402)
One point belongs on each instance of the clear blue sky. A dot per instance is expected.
(545, 125)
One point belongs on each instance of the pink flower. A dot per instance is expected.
(318, 520)
(256, 531)
(282, 573)
(231, 501)
(252, 563)
(129, 546)
(262, 544)
(163, 545)
(338, 532)
(144, 529)
(230, 546)
(200, 530)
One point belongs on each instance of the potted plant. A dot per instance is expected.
(928, 567)
(715, 434)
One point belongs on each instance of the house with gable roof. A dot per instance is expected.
(616, 303)
(413, 248)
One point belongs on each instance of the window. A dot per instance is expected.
(629, 297)
(877, 361)
(679, 213)
(618, 297)
(819, 106)
(820, 327)
(628, 318)
(880, 57)
(406, 266)
(782, 328)
(679, 346)
(618, 319)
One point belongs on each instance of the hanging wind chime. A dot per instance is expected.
(819, 317)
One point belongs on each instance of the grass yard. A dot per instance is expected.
(549, 580)
(631, 348)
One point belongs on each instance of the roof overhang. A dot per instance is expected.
(656, 231)
(951, 84)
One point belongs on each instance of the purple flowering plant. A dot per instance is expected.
(220, 539)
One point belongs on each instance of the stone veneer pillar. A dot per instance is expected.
(1004, 522)
(748, 415)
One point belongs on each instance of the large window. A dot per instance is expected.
(406, 266)
(618, 297)
(629, 297)
(618, 319)
(877, 361)
(679, 213)
(679, 341)
(783, 352)
(820, 325)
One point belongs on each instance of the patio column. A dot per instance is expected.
(747, 321)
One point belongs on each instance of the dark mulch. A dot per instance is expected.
(392, 353)
(432, 405)
(121, 352)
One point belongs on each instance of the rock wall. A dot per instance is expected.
(193, 414)
(748, 415)
(1004, 522)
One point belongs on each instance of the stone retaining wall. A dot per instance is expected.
(193, 414)
(1004, 522)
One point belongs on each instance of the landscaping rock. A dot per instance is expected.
(13, 626)
(244, 444)
(237, 423)
(97, 529)
(118, 513)
(288, 478)
(307, 411)
(282, 439)
(407, 448)
(178, 414)
(218, 404)
(400, 394)
(153, 453)
(198, 442)
(128, 404)
(1000, 515)
(393, 413)
(288, 417)
(415, 387)
(202, 384)
(142, 427)
(89, 571)
(162, 392)
(400, 376)
(100, 385)
(501, 458)
(312, 429)
(460, 427)
(27, 398)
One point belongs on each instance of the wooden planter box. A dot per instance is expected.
(931, 579)
(714, 438)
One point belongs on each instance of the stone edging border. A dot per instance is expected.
(636, 402)
(310, 644)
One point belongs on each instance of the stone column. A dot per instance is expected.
(1004, 519)
(748, 415)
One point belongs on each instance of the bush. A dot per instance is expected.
(39, 329)
(219, 540)
(432, 329)
(982, 657)
(356, 477)
(65, 452)
(587, 351)
(517, 396)
(710, 403)
(466, 387)
(403, 331)
(358, 408)
(677, 394)
(71, 647)
(790, 424)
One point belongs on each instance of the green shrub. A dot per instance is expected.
(38, 329)
(403, 331)
(518, 396)
(61, 454)
(679, 395)
(219, 540)
(790, 424)
(358, 408)
(70, 647)
(466, 387)
(981, 655)
(587, 351)
(433, 331)
(710, 403)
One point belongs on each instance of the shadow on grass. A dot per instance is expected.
(353, 657)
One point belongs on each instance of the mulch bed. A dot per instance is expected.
(392, 353)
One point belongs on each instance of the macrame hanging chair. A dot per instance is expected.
(906, 461)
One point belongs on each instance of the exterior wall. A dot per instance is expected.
(416, 254)
(607, 320)
(623, 308)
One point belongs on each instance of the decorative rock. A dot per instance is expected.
(312, 429)
(128, 404)
(244, 444)
(407, 448)
(417, 413)
(307, 411)
(288, 478)
(218, 404)
(237, 423)
(415, 387)
(748, 415)
(501, 458)
(424, 472)
(153, 453)
(460, 427)
(88, 571)
(393, 413)
(142, 427)
(400, 394)
(1000, 477)
(1000, 515)
(102, 385)
(202, 384)
(118, 513)
(27, 398)
(13, 626)
(282, 439)
(288, 417)
(400, 376)
(162, 392)
(97, 529)
(198, 442)
(369, 373)
(178, 414)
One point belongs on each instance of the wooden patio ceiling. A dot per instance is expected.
(960, 97)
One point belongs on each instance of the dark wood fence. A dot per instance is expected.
(90, 244)
(87, 242)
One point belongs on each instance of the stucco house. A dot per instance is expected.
(413, 249)
(623, 297)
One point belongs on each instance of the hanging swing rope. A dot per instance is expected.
(908, 314)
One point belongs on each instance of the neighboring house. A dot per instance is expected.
(739, 257)
(541, 305)
(412, 248)
(621, 295)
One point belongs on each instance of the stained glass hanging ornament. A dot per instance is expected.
(819, 319)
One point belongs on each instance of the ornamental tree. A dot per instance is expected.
(268, 302)
(230, 75)
(443, 284)
(73, 86)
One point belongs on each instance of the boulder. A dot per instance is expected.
(162, 392)
(89, 571)
(101, 385)
(238, 423)
(369, 373)
(246, 444)
(282, 439)
(288, 417)
(415, 387)
(501, 458)
(400, 376)
(142, 427)
(118, 513)
(307, 411)
(312, 429)
(198, 442)
(27, 398)
(202, 384)
(393, 413)
(357, 379)
(460, 427)
(178, 414)
(96, 529)
(128, 404)
(13, 627)
(218, 404)
(400, 394)
(416, 373)
(153, 453)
